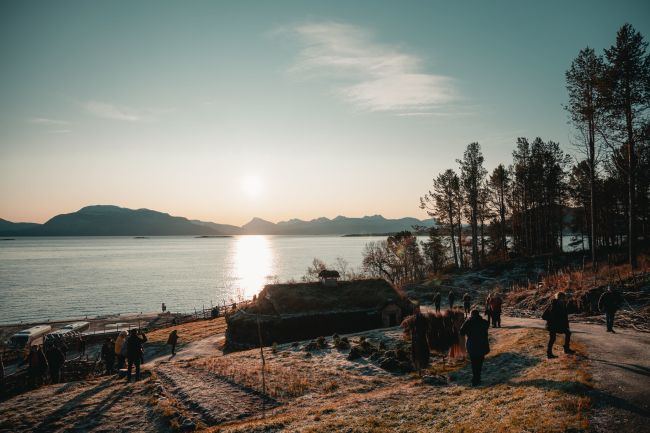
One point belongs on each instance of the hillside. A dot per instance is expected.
(108, 220)
(104, 220)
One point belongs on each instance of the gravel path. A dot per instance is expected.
(620, 365)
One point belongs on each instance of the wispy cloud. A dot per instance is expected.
(46, 121)
(59, 131)
(372, 76)
(111, 111)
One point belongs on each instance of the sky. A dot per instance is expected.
(226, 110)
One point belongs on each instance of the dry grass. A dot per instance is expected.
(189, 332)
(523, 391)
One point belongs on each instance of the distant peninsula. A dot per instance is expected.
(109, 220)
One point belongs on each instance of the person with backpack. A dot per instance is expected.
(609, 302)
(557, 322)
(134, 352)
(478, 345)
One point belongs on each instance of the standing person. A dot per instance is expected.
(467, 302)
(419, 344)
(557, 322)
(163, 307)
(37, 365)
(488, 311)
(495, 309)
(134, 350)
(2, 369)
(81, 345)
(436, 301)
(450, 297)
(478, 345)
(119, 344)
(172, 340)
(55, 361)
(609, 302)
(108, 355)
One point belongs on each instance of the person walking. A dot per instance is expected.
(172, 340)
(450, 298)
(134, 351)
(495, 309)
(436, 301)
(478, 345)
(609, 302)
(163, 307)
(557, 322)
(467, 303)
(108, 355)
(55, 361)
(119, 344)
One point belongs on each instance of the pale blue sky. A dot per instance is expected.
(227, 110)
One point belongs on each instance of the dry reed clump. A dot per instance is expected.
(281, 383)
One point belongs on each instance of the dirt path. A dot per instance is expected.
(213, 398)
(620, 364)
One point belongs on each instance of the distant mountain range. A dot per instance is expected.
(106, 220)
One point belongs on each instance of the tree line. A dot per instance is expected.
(603, 189)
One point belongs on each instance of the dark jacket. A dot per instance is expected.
(173, 338)
(436, 298)
(451, 297)
(55, 357)
(467, 299)
(557, 317)
(476, 330)
(108, 351)
(134, 346)
(610, 301)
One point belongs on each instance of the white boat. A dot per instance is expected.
(29, 337)
(77, 326)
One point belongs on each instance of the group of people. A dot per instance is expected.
(556, 316)
(46, 361)
(127, 348)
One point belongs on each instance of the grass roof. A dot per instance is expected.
(300, 298)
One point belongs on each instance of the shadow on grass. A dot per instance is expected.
(498, 369)
(601, 399)
(71, 405)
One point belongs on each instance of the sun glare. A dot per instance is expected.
(253, 263)
(252, 186)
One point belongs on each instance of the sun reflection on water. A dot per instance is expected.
(253, 264)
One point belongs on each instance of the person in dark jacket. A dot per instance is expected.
(134, 350)
(108, 355)
(172, 340)
(557, 322)
(37, 365)
(436, 301)
(609, 302)
(476, 330)
(55, 360)
(495, 309)
(419, 343)
(467, 303)
(488, 311)
(450, 298)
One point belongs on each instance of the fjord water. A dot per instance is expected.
(58, 278)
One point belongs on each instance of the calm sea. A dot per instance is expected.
(60, 278)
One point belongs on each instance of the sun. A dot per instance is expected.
(252, 185)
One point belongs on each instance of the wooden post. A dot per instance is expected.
(259, 334)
